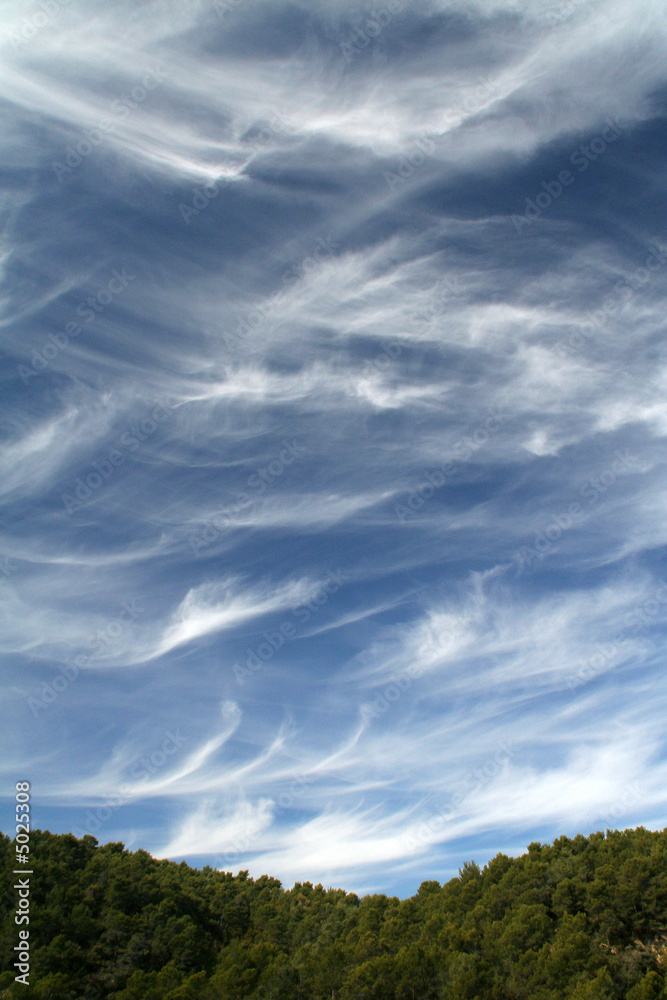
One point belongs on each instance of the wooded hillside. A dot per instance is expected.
(581, 919)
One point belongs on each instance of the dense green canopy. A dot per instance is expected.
(581, 919)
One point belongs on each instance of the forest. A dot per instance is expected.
(584, 918)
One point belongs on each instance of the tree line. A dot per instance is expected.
(584, 918)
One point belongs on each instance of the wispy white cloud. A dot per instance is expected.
(213, 608)
(321, 250)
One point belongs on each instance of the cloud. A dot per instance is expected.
(214, 607)
(311, 298)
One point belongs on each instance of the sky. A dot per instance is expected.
(333, 418)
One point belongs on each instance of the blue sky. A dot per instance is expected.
(333, 389)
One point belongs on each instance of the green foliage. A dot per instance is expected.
(581, 919)
(599, 988)
(651, 987)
